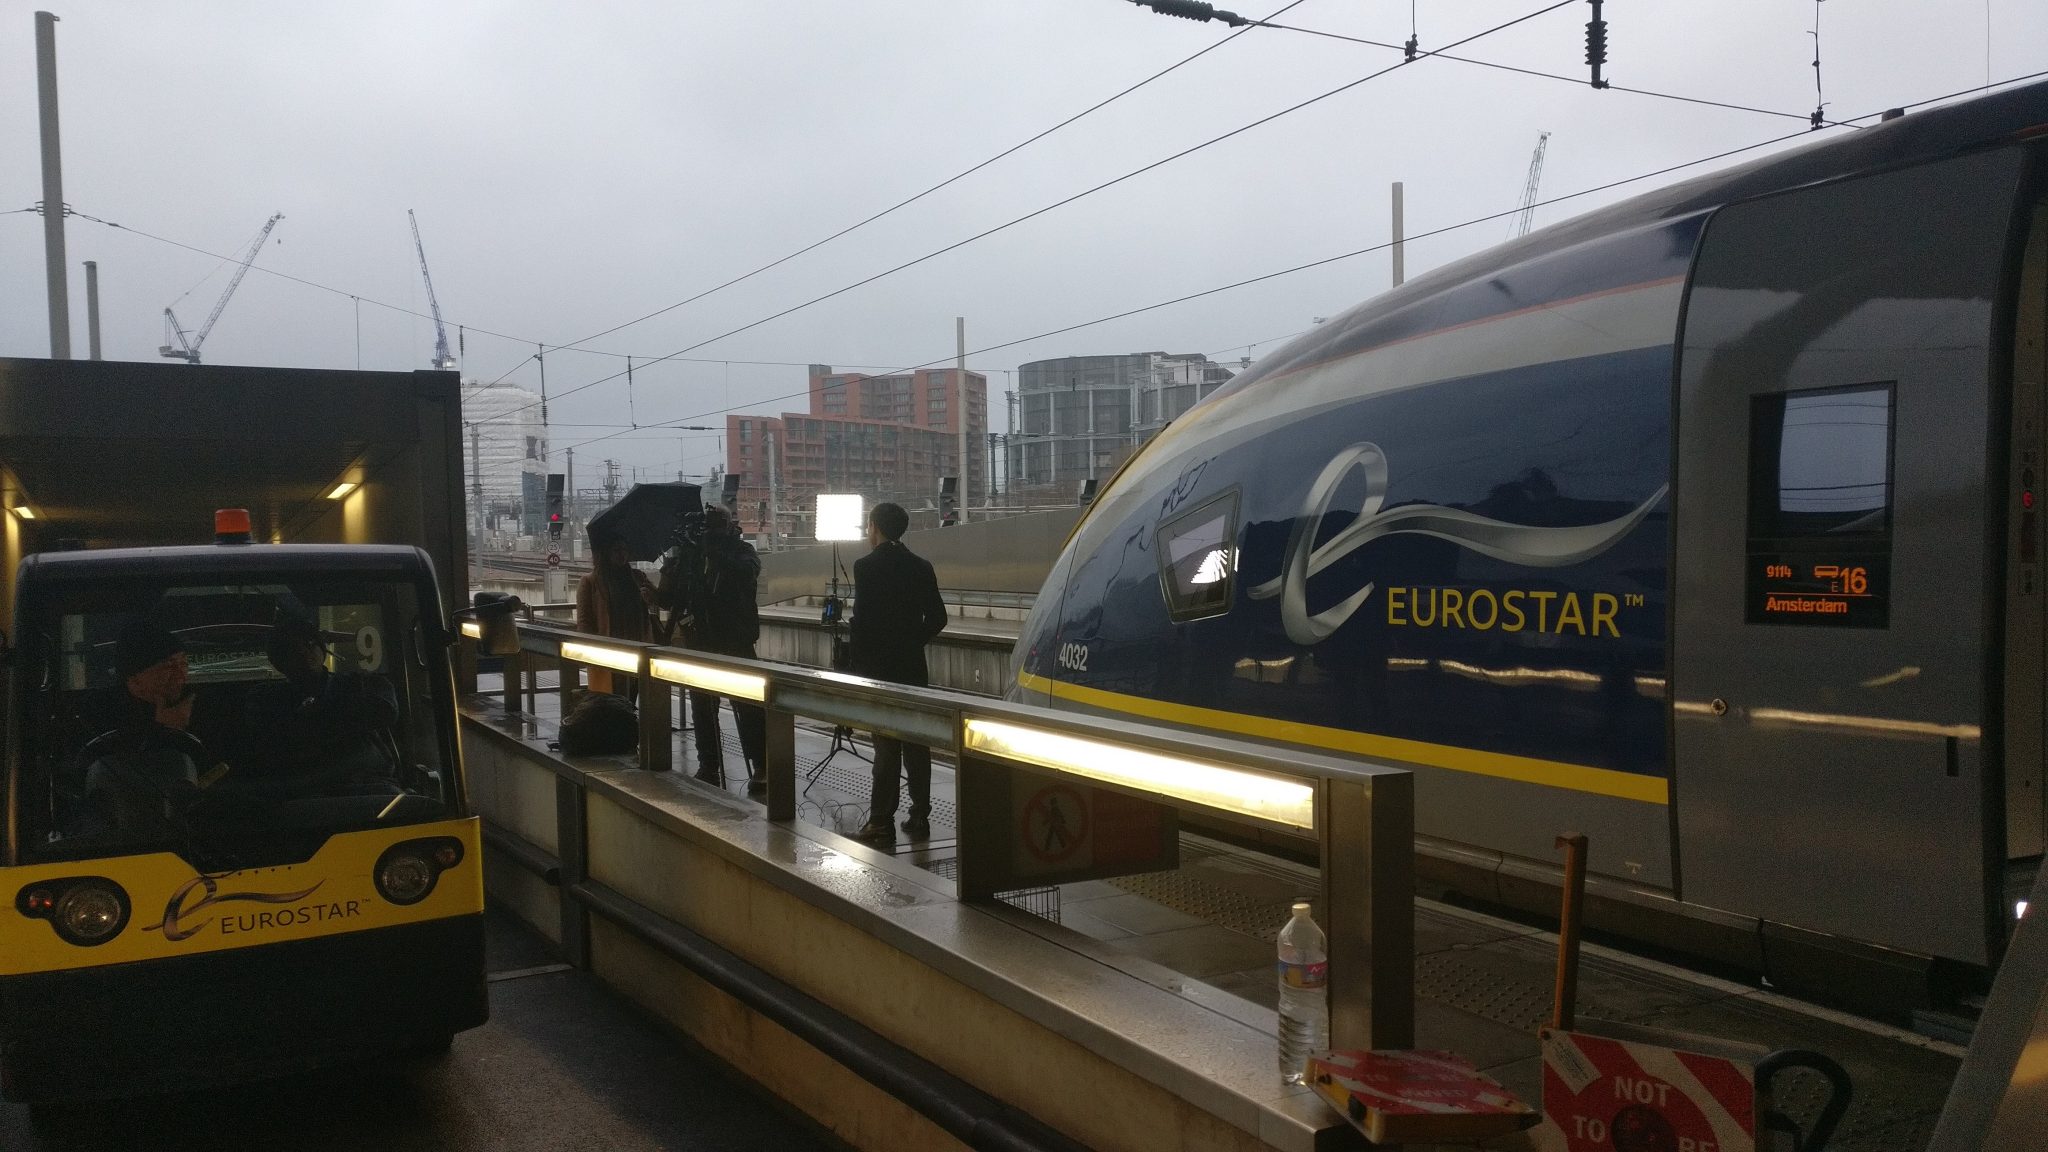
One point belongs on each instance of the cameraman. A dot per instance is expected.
(712, 584)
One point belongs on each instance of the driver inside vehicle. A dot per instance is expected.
(327, 732)
(148, 763)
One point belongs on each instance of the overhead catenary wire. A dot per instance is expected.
(1063, 202)
(1411, 52)
(1608, 186)
(462, 331)
(357, 298)
(950, 180)
(328, 288)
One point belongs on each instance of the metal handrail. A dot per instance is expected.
(1361, 813)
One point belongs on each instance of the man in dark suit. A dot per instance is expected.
(896, 609)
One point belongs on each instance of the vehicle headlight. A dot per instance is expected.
(407, 872)
(85, 911)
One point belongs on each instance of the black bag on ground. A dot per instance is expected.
(600, 724)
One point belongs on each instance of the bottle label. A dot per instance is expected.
(1311, 976)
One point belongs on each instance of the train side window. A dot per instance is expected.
(1198, 559)
(1820, 507)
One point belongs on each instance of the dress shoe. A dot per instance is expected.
(876, 832)
(917, 828)
(757, 787)
(711, 776)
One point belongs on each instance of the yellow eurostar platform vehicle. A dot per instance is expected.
(237, 842)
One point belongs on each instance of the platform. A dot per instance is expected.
(564, 1063)
(1483, 983)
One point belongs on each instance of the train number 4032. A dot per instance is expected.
(1074, 657)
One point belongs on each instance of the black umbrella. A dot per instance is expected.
(645, 518)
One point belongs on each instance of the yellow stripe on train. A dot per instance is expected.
(175, 911)
(1550, 773)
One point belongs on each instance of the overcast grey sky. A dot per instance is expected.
(575, 166)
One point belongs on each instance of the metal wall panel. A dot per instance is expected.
(1830, 771)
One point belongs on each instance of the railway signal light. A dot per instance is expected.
(555, 505)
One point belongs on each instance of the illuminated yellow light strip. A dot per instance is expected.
(342, 489)
(1274, 798)
(472, 629)
(1551, 773)
(744, 685)
(24, 511)
(617, 659)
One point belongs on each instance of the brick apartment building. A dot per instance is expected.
(884, 437)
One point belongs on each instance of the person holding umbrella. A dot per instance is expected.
(613, 599)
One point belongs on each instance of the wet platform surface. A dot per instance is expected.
(1483, 984)
(562, 1064)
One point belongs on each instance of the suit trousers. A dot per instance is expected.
(894, 759)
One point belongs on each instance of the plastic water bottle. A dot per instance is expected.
(1304, 1006)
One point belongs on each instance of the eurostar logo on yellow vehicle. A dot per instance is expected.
(119, 910)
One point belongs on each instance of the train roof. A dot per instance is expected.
(1916, 137)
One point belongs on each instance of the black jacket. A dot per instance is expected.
(720, 596)
(896, 609)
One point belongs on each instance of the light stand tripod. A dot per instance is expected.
(833, 616)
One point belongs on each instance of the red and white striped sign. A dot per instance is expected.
(1608, 1095)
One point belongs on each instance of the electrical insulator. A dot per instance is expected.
(1596, 43)
(1412, 45)
(1192, 10)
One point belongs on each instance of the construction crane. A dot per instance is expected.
(187, 346)
(1518, 224)
(442, 360)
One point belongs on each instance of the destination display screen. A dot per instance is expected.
(1849, 593)
(1820, 508)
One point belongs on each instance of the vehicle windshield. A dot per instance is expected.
(239, 724)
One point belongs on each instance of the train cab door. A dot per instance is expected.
(1841, 446)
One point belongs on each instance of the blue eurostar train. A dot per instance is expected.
(1704, 524)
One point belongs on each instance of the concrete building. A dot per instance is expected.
(884, 437)
(1079, 416)
(501, 423)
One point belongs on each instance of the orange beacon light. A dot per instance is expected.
(231, 526)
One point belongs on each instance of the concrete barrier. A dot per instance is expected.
(1103, 1050)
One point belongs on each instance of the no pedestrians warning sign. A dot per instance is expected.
(1055, 823)
(1062, 831)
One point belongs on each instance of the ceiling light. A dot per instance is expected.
(342, 489)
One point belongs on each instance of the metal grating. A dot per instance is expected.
(1446, 978)
(1043, 903)
(857, 780)
(1203, 899)
(1876, 1122)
